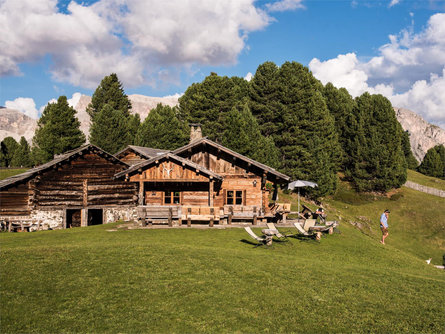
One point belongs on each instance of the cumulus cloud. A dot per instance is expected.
(284, 5)
(426, 98)
(393, 3)
(408, 70)
(137, 39)
(72, 102)
(248, 76)
(25, 105)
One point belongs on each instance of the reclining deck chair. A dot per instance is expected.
(271, 226)
(261, 240)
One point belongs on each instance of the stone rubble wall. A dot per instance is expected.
(112, 215)
(425, 189)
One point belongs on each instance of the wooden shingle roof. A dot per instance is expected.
(59, 159)
(146, 152)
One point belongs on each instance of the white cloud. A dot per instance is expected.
(174, 96)
(137, 39)
(393, 3)
(425, 98)
(284, 5)
(248, 76)
(25, 105)
(408, 70)
(72, 102)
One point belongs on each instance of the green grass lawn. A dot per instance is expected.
(4, 173)
(426, 180)
(91, 280)
(190, 280)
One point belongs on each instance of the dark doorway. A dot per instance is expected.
(95, 217)
(73, 218)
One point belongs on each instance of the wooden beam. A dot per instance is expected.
(85, 193)
(211, 187)
(141, 193)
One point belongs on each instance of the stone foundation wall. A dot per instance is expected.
(49, 219)
(112, 215)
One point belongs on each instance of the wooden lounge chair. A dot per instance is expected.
(271, 226)
(261, 240)
(300, 229)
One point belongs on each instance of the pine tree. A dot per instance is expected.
(340, 104)
(111, 92)
(376, 159)
(163, 129)
(58, 130)
(264, 97)
(134, 122)
(406, 146)
(306, 133)
(109, 130)
(22, 156)
(433, 164)
(8, 148)
(242, 134)
(208, 102)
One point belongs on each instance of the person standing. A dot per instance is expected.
(384, 225)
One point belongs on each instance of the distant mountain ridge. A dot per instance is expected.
(423, 135)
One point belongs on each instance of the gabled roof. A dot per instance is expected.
(61, 158)
(146, 152)
(206, 141)
(168, 156)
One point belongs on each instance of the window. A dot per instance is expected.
(172, 197)
(234, 197)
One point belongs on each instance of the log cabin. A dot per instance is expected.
(201, 182)
(76, 188)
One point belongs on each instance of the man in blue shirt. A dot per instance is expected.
(384, 225)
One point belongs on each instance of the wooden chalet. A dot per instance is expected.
(77, 188)
(202, 181)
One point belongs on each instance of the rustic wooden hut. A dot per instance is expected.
(203, 181)
(77, 188)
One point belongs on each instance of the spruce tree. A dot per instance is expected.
(264, 97)
(376, 159)
(411, 161)
(208, 102)
(58, 130)
(8, 148)
(134, 122)
(433, 164)
(340, 104)
(109, 131)
(163, 129)
(111, 92)
(22, 156)
(242, 134)
(306, 135)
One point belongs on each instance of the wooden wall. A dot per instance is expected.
(169, 171)
(196, 193)
(14, 200)
(85, 181)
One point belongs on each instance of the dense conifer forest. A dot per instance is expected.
(284, 117)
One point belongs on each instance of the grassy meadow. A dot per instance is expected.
(105, 279)
(5, 173)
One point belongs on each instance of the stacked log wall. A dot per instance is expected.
(14, 200)
(85, 181)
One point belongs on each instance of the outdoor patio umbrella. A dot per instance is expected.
(298, 184)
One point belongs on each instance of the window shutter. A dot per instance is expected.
(225, 196)
(244, 197)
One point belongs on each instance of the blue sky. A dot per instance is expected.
(50, 48)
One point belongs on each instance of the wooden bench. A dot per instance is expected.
(200, 213)
(158, 214)
(241, 212)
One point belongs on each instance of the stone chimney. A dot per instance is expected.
(195, 132)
